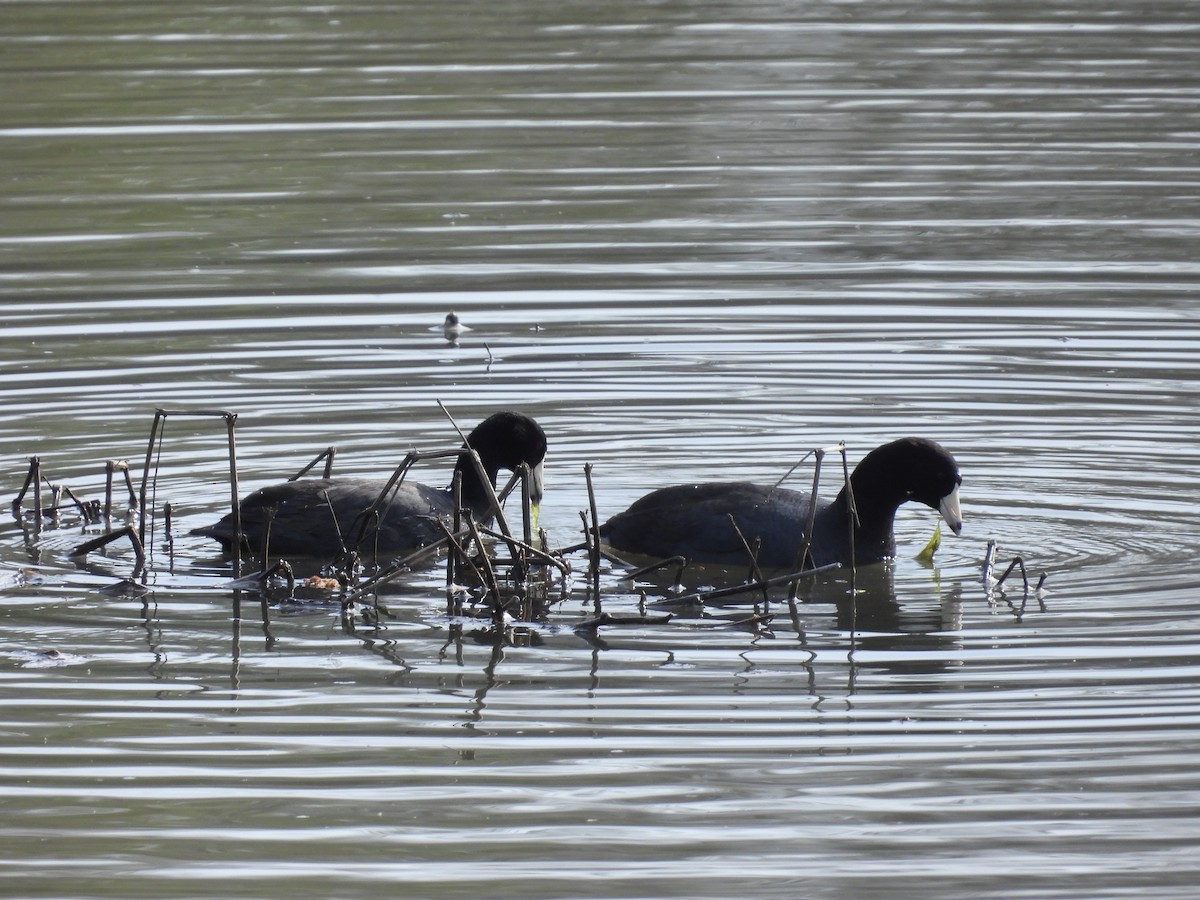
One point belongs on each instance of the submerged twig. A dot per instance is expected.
(542, 555)
(717, 593)
(397, 568)
(604, 618)
(679, 562)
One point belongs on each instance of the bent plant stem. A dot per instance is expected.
(337, 529)
(804, 557)
(454, 557)
(156, 430)
(395, 570)
(755, 573)
(681, 563)
(495, 508)
(594, 543)
(327, 454)
(989, 561)
(110, 467)
(545, 557)
(357, 531)
(852, 506)
(34, 480)
(493, 584)
(853, 523)
(1017, 561)
(105, 539)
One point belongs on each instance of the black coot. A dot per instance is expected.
(692, 520)
(303, 524)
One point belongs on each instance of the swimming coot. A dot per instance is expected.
(303, 524)
(452, 328)
(692, 520)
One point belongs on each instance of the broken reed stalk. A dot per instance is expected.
(496, 509)
(989, 561)
(543, 556)
(269, 514)
(37, 493)
(851, 506)
(594, 542)
(110, 467)
(89, 511)
(680, 562)
(34, 478)
(989, 564)
(1017, 561)
(36, 474)
(400, 566)
(453, 558)
(357, 531)
(327, 454)
(804, 557)
(526, 503)
(456, 541)
(852, 525)
(337, 529)
(492, 583)
(105, 539)
(587, 538)
(754, 620)
(755, 572)
(160, 417)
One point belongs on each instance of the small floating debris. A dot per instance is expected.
(321, 583)
(14, 578)
(47, 659)
(279, 577)
(126, 589)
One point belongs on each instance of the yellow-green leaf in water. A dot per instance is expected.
(931, 548)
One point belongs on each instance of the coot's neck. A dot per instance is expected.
(475, 494)
(876, 502)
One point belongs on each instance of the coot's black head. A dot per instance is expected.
(504, 440)
(912, 469)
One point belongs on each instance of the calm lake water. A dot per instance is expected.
(695, 240)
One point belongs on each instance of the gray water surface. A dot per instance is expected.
(695, 241)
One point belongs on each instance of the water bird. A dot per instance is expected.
(301, 514)
(693, 520)
(452, 328)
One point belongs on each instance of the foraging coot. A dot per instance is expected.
(302, 522)
(693, 520)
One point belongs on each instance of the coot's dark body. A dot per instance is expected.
(302, 513)
(693, 520)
